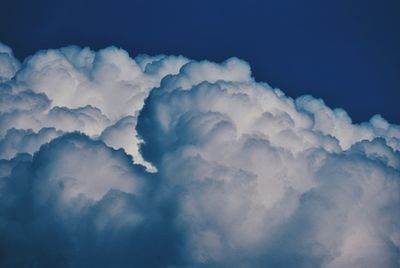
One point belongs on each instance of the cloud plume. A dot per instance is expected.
(164, 161)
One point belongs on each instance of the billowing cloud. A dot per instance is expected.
(163, 161)
(8, 63)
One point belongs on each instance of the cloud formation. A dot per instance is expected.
(163, 161)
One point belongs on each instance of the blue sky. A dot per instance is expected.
(335, 50)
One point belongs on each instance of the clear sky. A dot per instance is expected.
(346, 52)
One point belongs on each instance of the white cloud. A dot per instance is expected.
(245, 176)
(8, 64)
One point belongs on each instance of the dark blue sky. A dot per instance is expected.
(345, 51)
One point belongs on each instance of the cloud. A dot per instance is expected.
(77, 202)
(25, 141)
(259, 171)
(163, 161)
(83, 90)
(8, 63)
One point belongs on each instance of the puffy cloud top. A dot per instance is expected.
(8, 64)
(163, 161)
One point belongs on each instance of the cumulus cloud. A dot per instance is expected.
(8, 63)
(163, 161)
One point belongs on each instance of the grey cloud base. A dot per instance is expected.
(162, 161)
